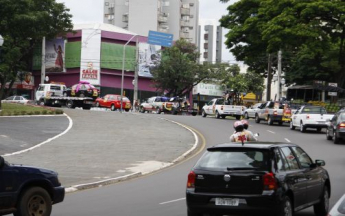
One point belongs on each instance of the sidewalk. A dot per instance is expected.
(105, 147)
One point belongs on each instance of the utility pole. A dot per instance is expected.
(135, 95)
(269, 78)
(279, 74)
(43, 67)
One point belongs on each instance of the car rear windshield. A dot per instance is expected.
(234, 159)
(342, 116)
(314, 110)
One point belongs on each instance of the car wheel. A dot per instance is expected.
(286, 207)
(223, 116)
(158, 111)
(189, 213)
(328, 137)
(35, 201)
(257, 119)
(142, 110)
(292, 127)
(238, 117)
(280, 123)
(194, 113)
(97, 104)
(321, 209)
(302, 127)
(112, 107)
(203, 114)
(269, 121)
(70, 104)
(336, 140)
(41, 103)
(246, 115)
(217, 115)
(318, 129)
(87, 107)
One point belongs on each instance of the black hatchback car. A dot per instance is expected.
(336, 127)
(257, 178)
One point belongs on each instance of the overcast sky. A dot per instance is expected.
(91, 11)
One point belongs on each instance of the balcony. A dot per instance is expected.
(184, 34)
(125, 18)
(163, 30)
(162, 18)
(185, 11)
(184, 23)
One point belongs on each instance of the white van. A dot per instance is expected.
(48, 90)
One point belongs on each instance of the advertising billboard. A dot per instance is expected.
(55, 55)
(90, 56)
(149, 56)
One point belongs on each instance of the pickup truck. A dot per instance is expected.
(28, 190)
(270, 112)
(220, 108)
(157, 103)
(310, 117)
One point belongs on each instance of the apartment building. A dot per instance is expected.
(210, 41)
(177, 17)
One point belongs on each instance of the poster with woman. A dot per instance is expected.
(149, 56)
(55, 55)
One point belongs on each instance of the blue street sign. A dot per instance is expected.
(159, 38)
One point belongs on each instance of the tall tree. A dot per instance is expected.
(178, 72)
(23, 25)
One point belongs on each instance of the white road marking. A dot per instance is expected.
(271, 131)
(171, 201)
(287, 140)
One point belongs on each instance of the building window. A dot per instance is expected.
(205, 36)
(106, 3)
(205, 45)
(190, 27)
(205, 55)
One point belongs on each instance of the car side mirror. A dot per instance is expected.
(2, 162)
(320, 162)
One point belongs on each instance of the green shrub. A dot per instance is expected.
(23, 112)
(37, 112)
(58, 111)
(30, 113)
(44, 112)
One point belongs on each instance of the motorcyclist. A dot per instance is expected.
(246, 126)
(240, 135)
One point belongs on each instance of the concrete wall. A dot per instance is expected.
(143, 16)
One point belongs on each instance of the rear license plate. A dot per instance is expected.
(227, 201)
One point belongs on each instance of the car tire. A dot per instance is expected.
(87, 107)
(223, 116)
(257, 119)
(336, 140)
(35, 201)
(112, 107)
(142, 110)
(194, 113)
(217, 115)
(246, 116)
(158, 111)
(70, 104)
(321, 209)
(189, 213)
(127, 110)
(302, 128)
(328, 137)
(203, 114)
(97, 104)
(269, 121)
(286, 208)
(41, 102)
(280, 123)
(318, 129)
(238, 117)
(292, 127)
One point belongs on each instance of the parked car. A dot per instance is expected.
(157, 103)
(28, 190)
(16, 99)
(220, 108)
(113, 102)
(339, 208)
(82, 89)
(250, 112)
(310, 117)
(336, 127)
(258, 178)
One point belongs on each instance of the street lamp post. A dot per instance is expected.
(1, 43)
(123, 67)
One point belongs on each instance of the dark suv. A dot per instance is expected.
(257, 178)
(336, 128)
(28, 190)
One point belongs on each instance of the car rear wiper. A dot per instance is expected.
(242, 168)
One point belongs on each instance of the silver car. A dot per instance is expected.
(339, 208)
(16, 99)
(250, 112)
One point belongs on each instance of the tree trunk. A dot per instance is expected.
(269, 78)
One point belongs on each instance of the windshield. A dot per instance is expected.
(314, 110)
(232, 159)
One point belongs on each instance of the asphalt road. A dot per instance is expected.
(163, 193)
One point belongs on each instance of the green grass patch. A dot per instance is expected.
(11, 109)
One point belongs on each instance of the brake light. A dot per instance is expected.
(191, 180)
(269, 182)
(308, 117)
(341, 125)
(275, 112)
(288, 111)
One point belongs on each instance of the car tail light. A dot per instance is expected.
(221, 108)
(275, 112)
(269, 182)
(288, 111)
(191, 180)
(341, 125)
(308, 117)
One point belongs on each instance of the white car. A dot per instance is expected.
(16, 99)
(339, 208)
(250, 112)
